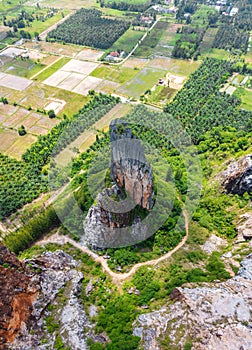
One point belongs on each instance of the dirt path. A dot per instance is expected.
(42, 70)
(45, 32)
(117, 278)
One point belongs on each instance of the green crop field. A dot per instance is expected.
(246, 97)
(144, 80)
(127, 41)
(116, 74)
(147, 47)
(22, 68)
(52, 69)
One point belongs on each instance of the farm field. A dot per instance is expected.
(119, 74)
(148, 46)
(11, 118)
(143, 80)
(88, 137)
(176, 66)
(167, 40)
(75, 4)
(22, 68)
(127, 41)
(246, 97)
(208, 40)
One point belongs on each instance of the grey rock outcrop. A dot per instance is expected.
(245, 227)
(55, 271)
(237, 178)
(114, 221)
(214, 316)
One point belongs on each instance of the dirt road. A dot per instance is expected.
(117, 278)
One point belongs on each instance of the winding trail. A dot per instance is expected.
(117, 278)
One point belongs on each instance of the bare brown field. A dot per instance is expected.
(2, 118)
(37, 130)
(49, 59)
(7, 109)
(160, 62)
(71, 81)
(32, 119)
(16, 119)
(47, 123)
(14, 82)
(21, 144)
(89, 83)
(8, 138)
(89, 55)
(77, 66)
(107, 87)
(135, 63)
(55, 48)
(57, 78)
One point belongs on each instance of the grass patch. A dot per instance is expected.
(23, 68)
(144, 80)
(246, 97)
(147, 47)
(52, 69)
(219, 54)
(161, 94)
(127, 41)
(116, 74)
(39, 26)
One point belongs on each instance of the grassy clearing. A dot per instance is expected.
(175, 66)
(246, 97)
(220, 54)
(147, 47)
(144, 80)
(200, 17)
(248, 56)
(161, 95)
(127, 41)
(52, 69)
(22, 68)
(116, 74)
(74, 4)
(38, 26)
(208, 40)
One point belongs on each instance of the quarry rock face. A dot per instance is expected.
(237, 178)
(212, 316)
(17, 294)
(108, 221)
(25, 295)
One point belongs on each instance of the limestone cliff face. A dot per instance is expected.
(211, 316)
(129, 168)
(17, 294)
(237, 178)
(132, 187)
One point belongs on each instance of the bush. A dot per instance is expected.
(21, 130)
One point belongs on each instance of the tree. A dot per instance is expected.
(51, 113)
(21, 130)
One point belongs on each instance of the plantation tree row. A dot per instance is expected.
(200, 106)
(229, 36)
(89, 28)
(134, 6)
(23, 181)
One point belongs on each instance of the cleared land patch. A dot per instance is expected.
(74, 76)
(175, 66)
(144, 80)
(13, 82)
